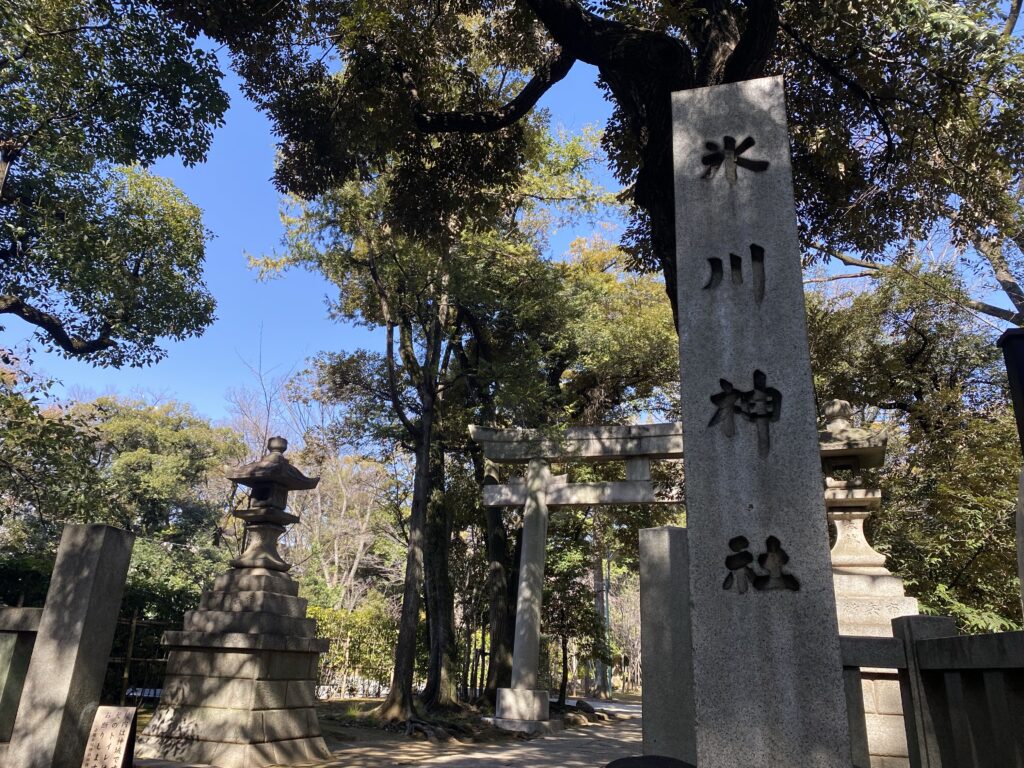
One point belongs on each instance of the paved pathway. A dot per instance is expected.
(592, 746)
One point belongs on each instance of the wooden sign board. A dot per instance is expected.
(112, 738)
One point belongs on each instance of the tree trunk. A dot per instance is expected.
(501, 610)
(398, 706)
(565, 672)
(441, 691)
(504, 572)
(602, 689)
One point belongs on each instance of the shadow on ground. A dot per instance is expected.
(592, 746)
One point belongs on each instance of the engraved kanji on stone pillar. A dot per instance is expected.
(767, 671)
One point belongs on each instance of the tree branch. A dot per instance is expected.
(9, 152)
(1014, 316)
(848, 276)
(389, 357)
(606, 43)
(54, 328)
(845, 258)
(1011, 17)
(482, 122)
(992, 250)
(755, 46)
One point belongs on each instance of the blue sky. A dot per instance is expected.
(272, 325)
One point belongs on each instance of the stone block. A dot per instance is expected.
(20, 619)
(856, 583)
(242, 641)
(290, 666)
(532, 727)
(301, 693)
(669, 723)
(270, 602)
(282, 724)
(886, 735)
(888, 700)
(521, 704)
(206, 724)
(69, 661)
(256, 580)
(289, 751)
(886, 761)
(213, 664)
(219, 753)
(250, 622)
(270, 694)
(233, 755)
(220, 692)
(870, 614)
(867, 687)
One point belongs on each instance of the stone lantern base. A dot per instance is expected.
(239, 687)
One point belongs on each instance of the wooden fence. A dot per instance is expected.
(963, 695)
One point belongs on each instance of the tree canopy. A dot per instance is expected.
(904, 114)
(910, 354)
(99, 255)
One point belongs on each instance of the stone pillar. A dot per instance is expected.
(72, 648)
(18, 627)
(521, 707)
(768, 686)
(241, 678)
(669, 722)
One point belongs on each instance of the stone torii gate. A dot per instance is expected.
(522, 707)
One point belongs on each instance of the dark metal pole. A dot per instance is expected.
(1012, 344)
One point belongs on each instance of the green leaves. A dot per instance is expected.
(949, 485)
(113, 81)
(100, 255)
(114, 256)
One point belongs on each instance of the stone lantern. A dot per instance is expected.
(265, 518)
(241, 676)
(846, 452)
(868, 595)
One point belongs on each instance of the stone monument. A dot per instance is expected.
(767, 670)
(72, 647)
(239, 690)
(868, 596)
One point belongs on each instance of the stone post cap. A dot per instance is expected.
(838, 414)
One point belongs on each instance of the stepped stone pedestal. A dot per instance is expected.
(241, 676)
(868, 595)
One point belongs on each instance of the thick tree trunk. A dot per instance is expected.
(501, 616)
(398, 706)
(565, 672)
(602, 689)
(440, 692)
(501, 605)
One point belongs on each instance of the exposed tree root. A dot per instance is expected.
(434, 733)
